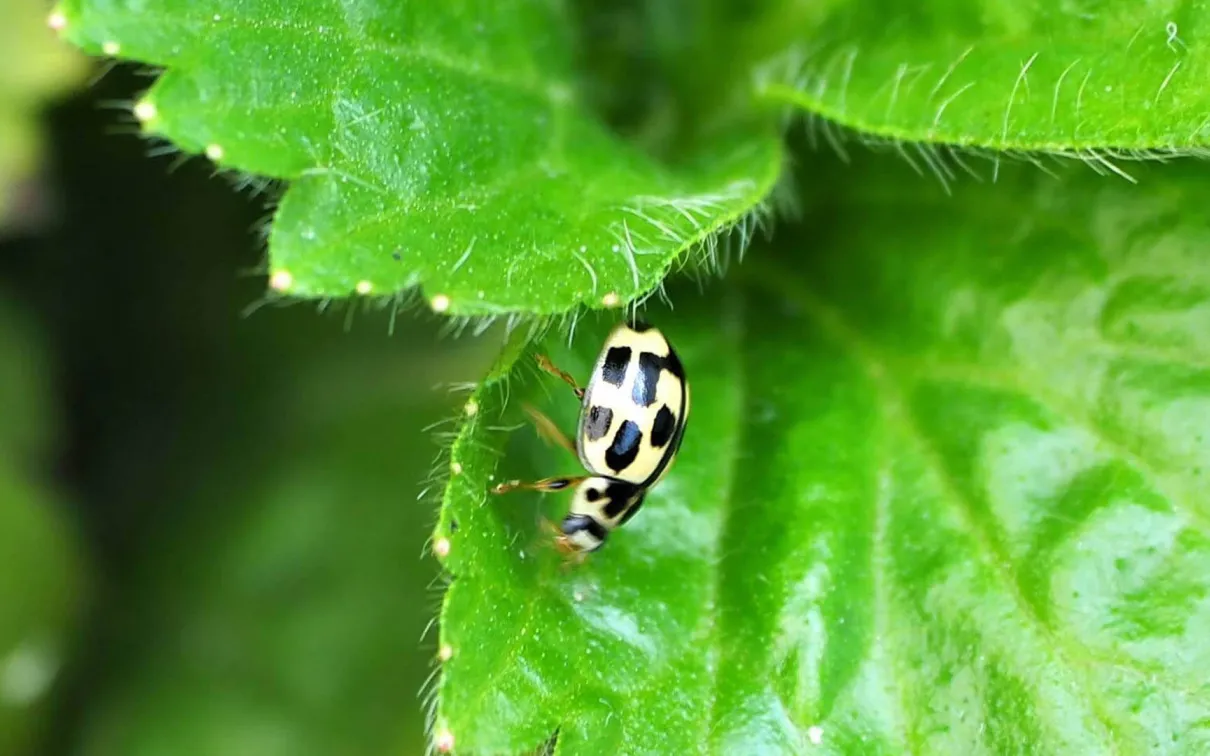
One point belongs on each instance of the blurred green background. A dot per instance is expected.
(211, 540)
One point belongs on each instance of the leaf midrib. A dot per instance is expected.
(731, 309)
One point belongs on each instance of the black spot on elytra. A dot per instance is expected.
(625, 447)
(662, 427)
(614, 369)
(592, 494)
(647, 378)
(599, 420)
(673, 363)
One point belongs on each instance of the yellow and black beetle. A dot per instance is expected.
(632, 420)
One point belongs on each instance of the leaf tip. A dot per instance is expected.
(441, 547)
(146, 112)
(281, 280)
(443, 740)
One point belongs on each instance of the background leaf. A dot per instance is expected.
(282, 607)
(438, 145)
(33, 68)
(1032, 76)
(939, 494)
(39, 582)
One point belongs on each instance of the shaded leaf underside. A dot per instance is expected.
(939, 493)
(440, 146)
(1008, 76)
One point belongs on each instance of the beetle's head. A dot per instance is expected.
(587, 523)
(598, 505)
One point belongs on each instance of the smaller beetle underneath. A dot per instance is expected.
(632, 420)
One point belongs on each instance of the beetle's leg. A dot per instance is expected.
(552, 530)
(545, 363)
(546, 485)
(548, 430)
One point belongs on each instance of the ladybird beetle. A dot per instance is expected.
(632, 420)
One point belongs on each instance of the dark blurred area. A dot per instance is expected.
(212, 536)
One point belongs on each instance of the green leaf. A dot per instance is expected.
(942, 491)
(39, 581)
(1008, 76)
(442, 145)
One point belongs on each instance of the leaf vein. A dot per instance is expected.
(831, 322)
(882, 598)
(1177, 496)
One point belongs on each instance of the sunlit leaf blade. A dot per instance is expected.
(941, 492)
(440, 145)
(1059, 77)
(39, 581)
